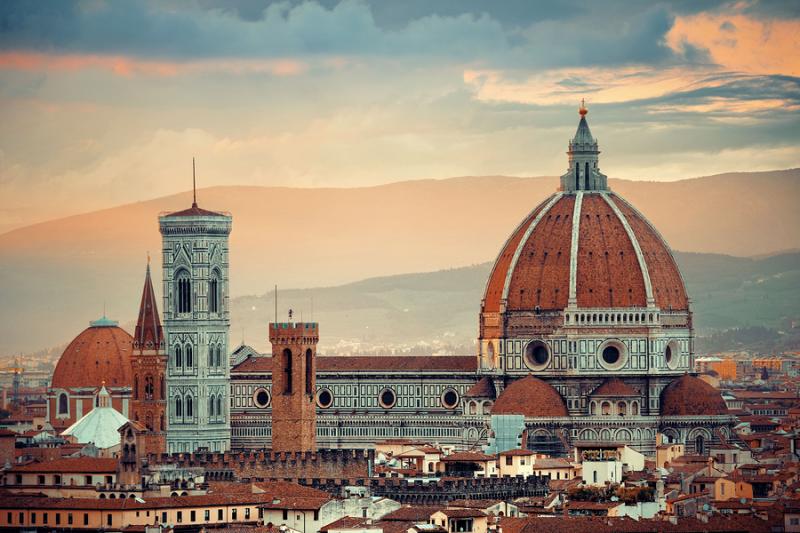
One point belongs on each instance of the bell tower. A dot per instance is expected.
(196, 328)
(294, 410)
(149, 368)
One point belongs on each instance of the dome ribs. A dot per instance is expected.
(98, 354)
(497, 279)
(665, 277)
(608, 272)
(544, 262)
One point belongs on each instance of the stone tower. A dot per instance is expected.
(294, 410)
(197, 323)
(149, 370)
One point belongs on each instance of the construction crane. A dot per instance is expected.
(17, 380)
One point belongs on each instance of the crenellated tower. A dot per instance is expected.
(294, 410)
(197, 324)
(148, 368)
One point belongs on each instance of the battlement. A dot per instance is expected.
(267, 464)
(293, 332)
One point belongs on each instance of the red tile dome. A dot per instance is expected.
(101, 353)
(531, 397)
(691, 396)
(620, 259)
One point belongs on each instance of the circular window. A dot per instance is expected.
(450, 398)
(537, 355)
(387, 398)
(612, 355)
(261, 398)
(324, 398)
(672, 355)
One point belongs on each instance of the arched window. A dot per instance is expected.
(219, 405)
(63, 403)
(178, 407)
(136, 386)
(163, 428)
(148, 387)
(287, 371)
(593, 408)
(189, 413)
(700, 445)
(189, 361)
(210, 355)
(586, 176)
(605, 408)
(214, 296)
(148, 421)
(161, 387)
(183, 290)
(211, 405)
(577, 177)
(309, 372)
(622, 408)
(178, 357)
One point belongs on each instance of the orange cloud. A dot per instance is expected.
(127, 66)
(741, 43)
(603, 85)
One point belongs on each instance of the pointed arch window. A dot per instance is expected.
(219, 356)
(148, 387)
(178, 407)
(178, 361)
(577, 176)
(189, 359)
(183, 291)
(219, 405)
(211, 355)
(189, 410)
(214, 293)
(211, 406)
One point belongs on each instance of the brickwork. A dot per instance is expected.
(291, 466)
(541, 276)
(148, 367)
(668, 289)
(608, 270)
(294, 410)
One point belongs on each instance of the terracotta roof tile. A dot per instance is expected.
(614, 387)
(97, 465)
(691, 396)
(484, 388)
(532, 398)
(377, 363)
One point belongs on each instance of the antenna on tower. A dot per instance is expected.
(276, 304)
(194, 186)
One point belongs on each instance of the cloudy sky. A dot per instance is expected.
(105, 102)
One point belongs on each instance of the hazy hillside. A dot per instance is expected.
(56, 276)
(442, 307)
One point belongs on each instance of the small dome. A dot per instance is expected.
(101, 353)
(691, 396)
(615, 387)
(530, 397)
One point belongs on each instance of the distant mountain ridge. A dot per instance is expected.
(58, 274)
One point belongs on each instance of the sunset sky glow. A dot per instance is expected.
(106, 102)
